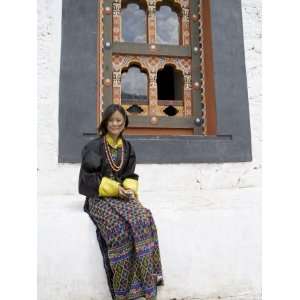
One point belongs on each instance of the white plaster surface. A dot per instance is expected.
(208, 215)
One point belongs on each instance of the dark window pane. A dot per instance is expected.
(134, 85)
(167, 26)
(133, 24)
(169, 84)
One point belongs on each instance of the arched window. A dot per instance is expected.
(168, 19)
(134, 85)
(133, 16)
(170, 84)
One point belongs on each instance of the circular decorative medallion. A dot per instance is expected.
(107, 45)
(152, 47)
(196, 85)
(154, 120)
(107, 82)
(107, 10)
(198, 121)
(194, 17)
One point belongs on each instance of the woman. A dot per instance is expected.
(125, 229)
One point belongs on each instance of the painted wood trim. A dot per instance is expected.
(210, 97)
(145, 131)
(196, 76)
(144, 49)
(107, 56)
(167, 122)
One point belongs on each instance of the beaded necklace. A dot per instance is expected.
(111, 162)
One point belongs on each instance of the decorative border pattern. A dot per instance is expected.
(202, 70)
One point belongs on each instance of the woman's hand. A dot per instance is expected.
(131, 194)
(126, 194)
(123, 193)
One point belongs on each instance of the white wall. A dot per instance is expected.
(208, 215)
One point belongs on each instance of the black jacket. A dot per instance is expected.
(94, 166)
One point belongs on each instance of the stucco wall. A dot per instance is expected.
(208, 215)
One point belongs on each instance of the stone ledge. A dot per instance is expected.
(207, 251)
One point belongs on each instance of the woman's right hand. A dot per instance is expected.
(122, 193)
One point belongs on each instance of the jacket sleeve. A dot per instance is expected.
(109, 187)
(131, 184)
(130, 178)
(89, 175)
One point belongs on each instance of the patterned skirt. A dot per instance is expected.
(128, 241)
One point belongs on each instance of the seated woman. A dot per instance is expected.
(125, 229)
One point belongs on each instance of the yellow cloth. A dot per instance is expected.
(109, 187)
(112, 143)
(132, 184)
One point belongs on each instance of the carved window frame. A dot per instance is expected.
(197, 116)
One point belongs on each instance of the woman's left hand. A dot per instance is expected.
(131, 194)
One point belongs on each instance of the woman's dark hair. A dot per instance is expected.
(102, 129)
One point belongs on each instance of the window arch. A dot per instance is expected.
(134, 21)
(134, 85)
(170, 83)
(168, 23)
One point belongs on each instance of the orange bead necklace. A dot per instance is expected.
(111, 162)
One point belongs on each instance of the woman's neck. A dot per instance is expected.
(114, 137)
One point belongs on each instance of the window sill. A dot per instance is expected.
(189, 149)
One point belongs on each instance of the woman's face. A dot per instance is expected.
(115, 124)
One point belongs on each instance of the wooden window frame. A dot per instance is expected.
(203, 96)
